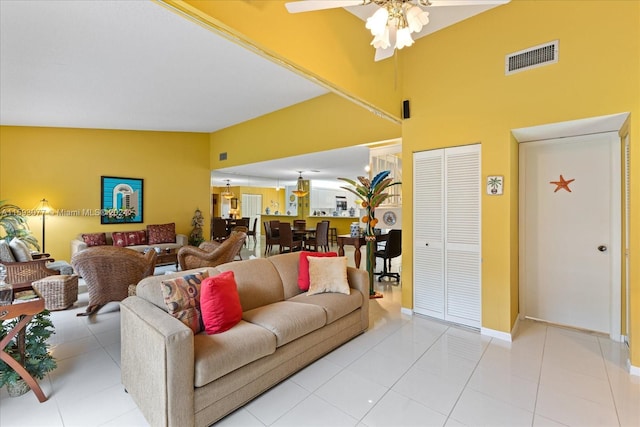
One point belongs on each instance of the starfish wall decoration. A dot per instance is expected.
(563, 183)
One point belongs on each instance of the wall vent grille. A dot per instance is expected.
(533, 57)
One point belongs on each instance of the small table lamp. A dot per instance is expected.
(43, 208)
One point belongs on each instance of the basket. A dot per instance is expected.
(59, 292)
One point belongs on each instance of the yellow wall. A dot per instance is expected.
(65, 166)
(322, 123)
(467, 99)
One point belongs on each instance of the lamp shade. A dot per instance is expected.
(300, 191)
(377, 22)
(403, 38)
(227, 193)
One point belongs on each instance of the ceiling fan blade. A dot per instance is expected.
(311, 5)
(436, 3)
(383, 53)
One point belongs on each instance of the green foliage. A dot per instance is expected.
(15, 224)
(37, 359)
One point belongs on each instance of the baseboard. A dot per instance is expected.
(634, 370)
(504, 336)
(406, 311)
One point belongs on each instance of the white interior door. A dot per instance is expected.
(447, 273)
(569, 222)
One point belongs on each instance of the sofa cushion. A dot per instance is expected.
(303, 271)
(6, 255)
(182, 296)
(220, 303)
(258, 282)
(335, 305)
(119, 238)
(161, 233)
(219, 354)
(287, 320)
(95, 239)
(20, 250)
(328, 275)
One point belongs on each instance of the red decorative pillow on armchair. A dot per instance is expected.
(161, 233)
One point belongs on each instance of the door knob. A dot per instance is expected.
(602, 248)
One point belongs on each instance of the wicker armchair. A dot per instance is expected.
(109, 270)
(211, 254)
(22, 274)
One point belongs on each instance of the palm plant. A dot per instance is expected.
(372, 194)
(15, 224)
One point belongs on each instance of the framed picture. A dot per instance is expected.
(121, 200)
(234, 203)
(495, 185)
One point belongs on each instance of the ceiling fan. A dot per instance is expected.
(394, 21)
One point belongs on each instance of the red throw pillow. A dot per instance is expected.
(303, 267)
(119, 238)
(95, 239)
(220, 303)
(161, 233)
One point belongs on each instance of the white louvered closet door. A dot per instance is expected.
(447, 279)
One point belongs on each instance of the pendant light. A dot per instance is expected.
(300, 190)
(227, 193)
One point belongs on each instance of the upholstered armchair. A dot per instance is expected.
(109, 270)
(211, 254)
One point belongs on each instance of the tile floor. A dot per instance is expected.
(404, 371)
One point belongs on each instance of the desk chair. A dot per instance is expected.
(392, 249)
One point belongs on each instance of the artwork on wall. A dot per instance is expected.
(495, 185)
(121, 200)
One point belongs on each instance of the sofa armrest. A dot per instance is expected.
(157, 363)
(77, 245)
(182, 239)
(359, 279)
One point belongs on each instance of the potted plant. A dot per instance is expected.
(33, 355)
(195, 238)
(372, 194)
(15, 224)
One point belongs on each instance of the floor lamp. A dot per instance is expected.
(44, 208)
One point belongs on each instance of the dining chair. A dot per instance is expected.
(321, 239)
(219, 229)
(253, 231)
(287, 240)
(270, 239)
(392, 249)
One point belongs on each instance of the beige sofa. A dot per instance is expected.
(78, 244)
(180, 379)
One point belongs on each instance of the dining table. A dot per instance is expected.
(356, 242)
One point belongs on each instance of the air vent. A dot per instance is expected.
(533, 57)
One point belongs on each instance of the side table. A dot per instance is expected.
(25, 311)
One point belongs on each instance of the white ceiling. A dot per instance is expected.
(114, 64)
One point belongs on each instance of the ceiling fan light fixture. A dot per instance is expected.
(403, 38)
(417, 18)
(377, 23)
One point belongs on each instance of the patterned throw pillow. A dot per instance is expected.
(182, 296)
(95, 239)
(5, 252)
(135, 238)
(119, 239)
(20, 250)
(162, 233)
